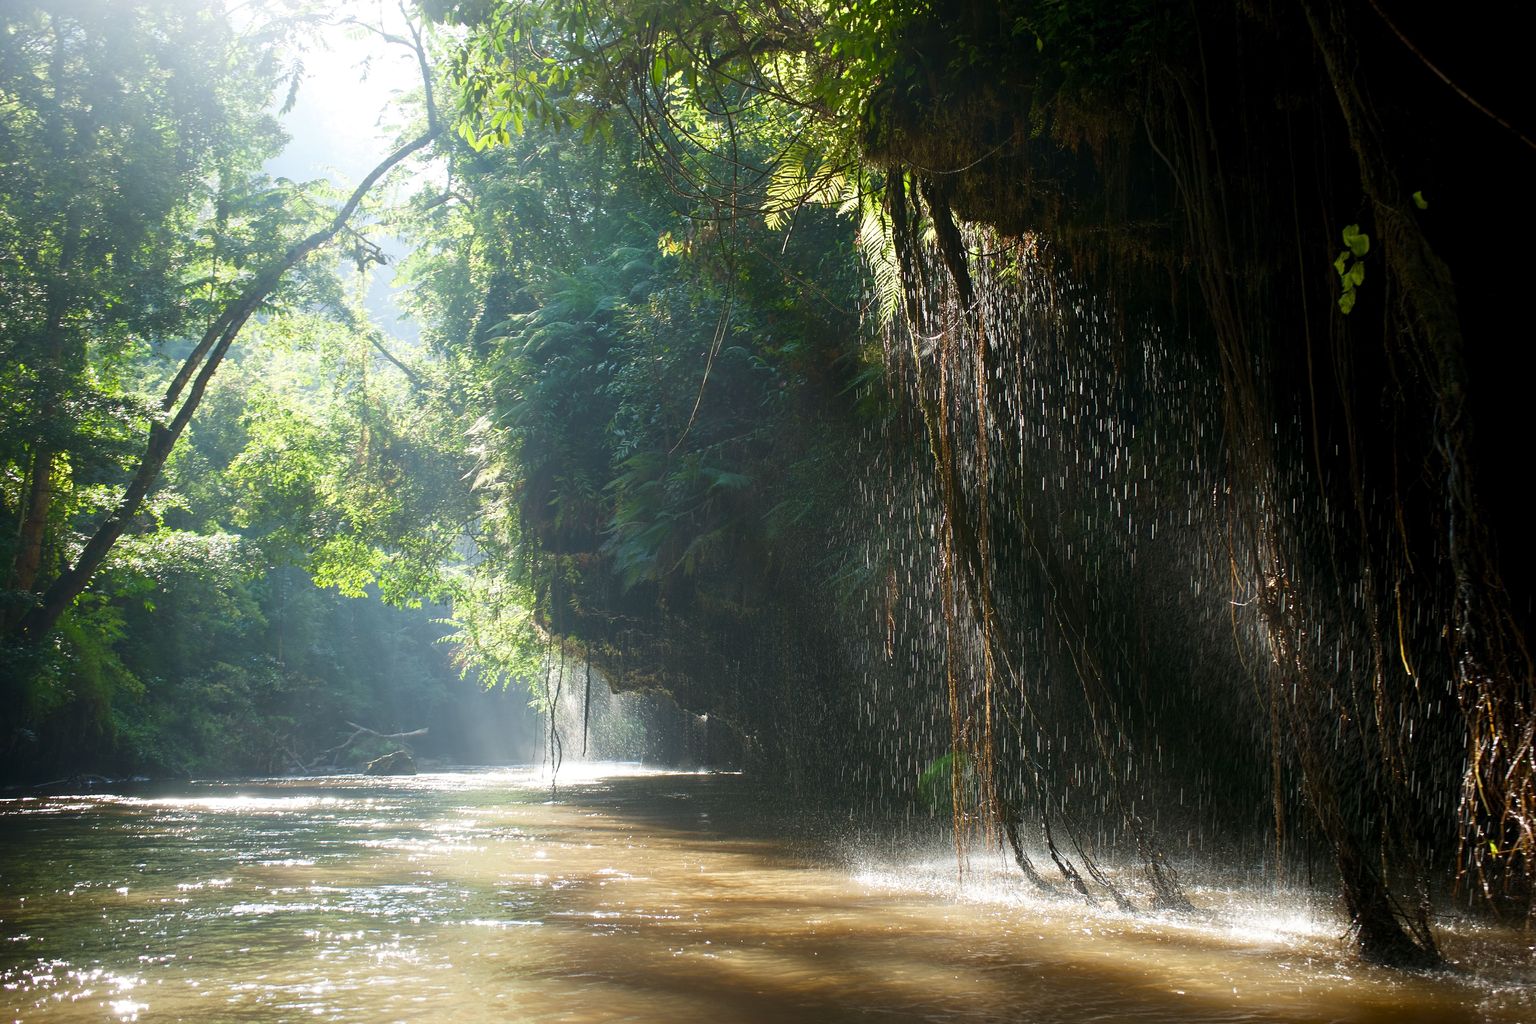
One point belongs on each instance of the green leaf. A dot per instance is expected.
(1347, 301)
(1358, 242)
(934, 781)
(1342, 264)
(1420, 201)
(1356, 275)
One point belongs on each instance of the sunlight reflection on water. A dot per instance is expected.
(631, 895)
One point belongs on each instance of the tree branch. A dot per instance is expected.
(193, 378)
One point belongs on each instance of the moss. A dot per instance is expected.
(1037, 127)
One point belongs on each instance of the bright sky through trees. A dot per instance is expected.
(346, 116)
(347, 109)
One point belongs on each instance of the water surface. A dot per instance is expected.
(634, 896)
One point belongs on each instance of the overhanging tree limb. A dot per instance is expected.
(185, 393)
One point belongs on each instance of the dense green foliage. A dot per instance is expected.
(136, 214)
(113, 151)
(657, 437)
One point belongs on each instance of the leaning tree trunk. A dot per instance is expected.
(181, 400)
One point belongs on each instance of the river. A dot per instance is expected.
(633, 895)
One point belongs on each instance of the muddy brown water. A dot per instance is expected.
(635, 895)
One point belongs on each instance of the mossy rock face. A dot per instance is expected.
(1004, 136)
(399, 762)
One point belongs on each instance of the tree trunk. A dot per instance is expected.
(193, 379)
(34, 521)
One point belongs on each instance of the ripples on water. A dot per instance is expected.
(636, 896)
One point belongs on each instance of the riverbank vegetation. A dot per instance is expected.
(1093, 410)
(198, 454)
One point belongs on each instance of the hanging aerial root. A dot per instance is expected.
(1010, 820)
(1167, 893)
(1494, 670)
(1097, 873)
(1063, 864)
